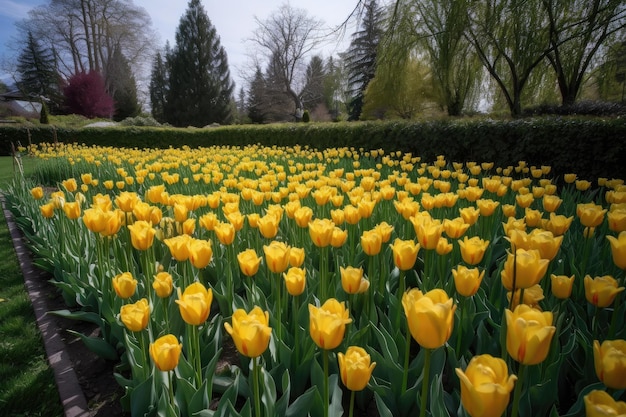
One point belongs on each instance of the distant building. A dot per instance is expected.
(14, 103)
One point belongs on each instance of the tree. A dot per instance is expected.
(256, 94)
(511, 38)
(313, 91)
(334, 89)
(200, 87)
(122, 86)
(579, 29)
(611, 74)
(83, 34)
(38, 76)
(159, 85)
(441, 27)
(85, 94)
(287, 37)
(360, 58)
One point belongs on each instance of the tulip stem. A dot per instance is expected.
(425, 382)
(196, 354)
(279, 306)
(257, 393)
(405, 375)
(170, 387)
(351, 412)
(326, 387)
(614, 317)
(460, 328)
(518, 390)
(401, 289)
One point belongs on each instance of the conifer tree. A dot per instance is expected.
(159, 85)
(122, 86)
(200, 87)
(38, 75)
(360, 59)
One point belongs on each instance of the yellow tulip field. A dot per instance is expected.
(350, 282)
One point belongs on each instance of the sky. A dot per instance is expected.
(234, 21)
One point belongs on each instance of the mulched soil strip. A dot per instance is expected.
(70, 392)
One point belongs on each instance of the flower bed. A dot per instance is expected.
(342, 277)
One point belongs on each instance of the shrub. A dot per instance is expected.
(86, 95)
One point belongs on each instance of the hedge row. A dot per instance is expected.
(589, 147)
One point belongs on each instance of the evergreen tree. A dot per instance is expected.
(360, 59)
(313, 92)
(38, 75)
(200, 88)
(256, 95)
(121, 86)
(159, 85)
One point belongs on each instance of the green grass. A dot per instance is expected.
(27, 386)
(9, 168)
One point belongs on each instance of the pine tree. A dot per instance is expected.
(313, 92)
(122, 86)
(361, 57)
(256, 94)
(200, 87)
(38, 75)
(159, 85)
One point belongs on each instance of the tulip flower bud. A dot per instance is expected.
(352, 280)
(355, 368)
(195, 303)
(405, 253)
(135, 316)
(124, 285)
(163, 284)
(321, 232)
(601, 291)
(277, 256)
(473, 249)
(600, 404)
(165, 352)
(249, 262)
(562, 286)
(296, 257)
(327, 324)
(141, 234)
(250, 332)
(295, 281)
(430, 316)
(37, 193)
(610, 362)
(467, 281)
(529, 334)
(618, 250)
(485, 386)
(200, 252)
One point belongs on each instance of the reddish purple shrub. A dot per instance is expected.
(85, 94)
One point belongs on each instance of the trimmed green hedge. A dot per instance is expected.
(589, 147)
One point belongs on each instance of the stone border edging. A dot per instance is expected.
(70, 391)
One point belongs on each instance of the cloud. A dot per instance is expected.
(15, 10)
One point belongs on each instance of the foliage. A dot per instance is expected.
(44, 116)
(313, 91)
(140, 121)
(122, 86)
(360, 58)
(306, 117)
(85, 94)
(159, 84)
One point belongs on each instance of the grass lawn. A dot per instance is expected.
(27, 386)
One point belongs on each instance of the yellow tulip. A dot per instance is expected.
(72, 210)
(195, 303)
(200, 252)
(165, 352)
(141, 235)
(277, 256)
(94, 219)
(236, 220)
(321, 232)
(600, 404)
(443, 246)
(124, 285)
(384, 230)
(430, 316)
(455, 228)
(295, 280)
(146, 212)
(509, 210)
(469, 215)
(37, 193)
(327, 324)
(485, 386)
(126, 201)
(338, 217)
(473, 249)
(70, 185)
(590, 214)
(112, 222)
(371, 242)
(208, 221)
(189, 226)
(551, 203)
(225, 233)
(562, 286)
(365, 208)
(268, 226)
(352, 280)
(466, 280)
(303, 216)
(249, 262)
(179, 247)
(135, 316)
(529, 334)
(618, 249)
(617, 220)
(296, 257)
(163, 284)
(532, 217)
(428, 233)
(558, 224)
(609, 359)
(532, 297)
(355, 368)
(47, 210)
(569, 178)
(404, 253)
(181, 212)
(487, 206)
(250, 331)
(601, 291)
(339, 237)
(526, 267)
(545, 242)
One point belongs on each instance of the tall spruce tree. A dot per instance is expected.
(38, 74)
(200, 87)
(122, 86)
(159, 85)
(313, 92)
(360, 58)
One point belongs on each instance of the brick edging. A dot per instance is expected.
(70, 391)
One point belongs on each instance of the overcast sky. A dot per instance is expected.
(233, 20)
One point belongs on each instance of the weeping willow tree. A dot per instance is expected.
(435, 31)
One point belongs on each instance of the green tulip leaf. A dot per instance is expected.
(89, 317)
(98, 346)
(335, 407)
(382, 407)
(268, 392)
(437, 403)
(302, 405)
